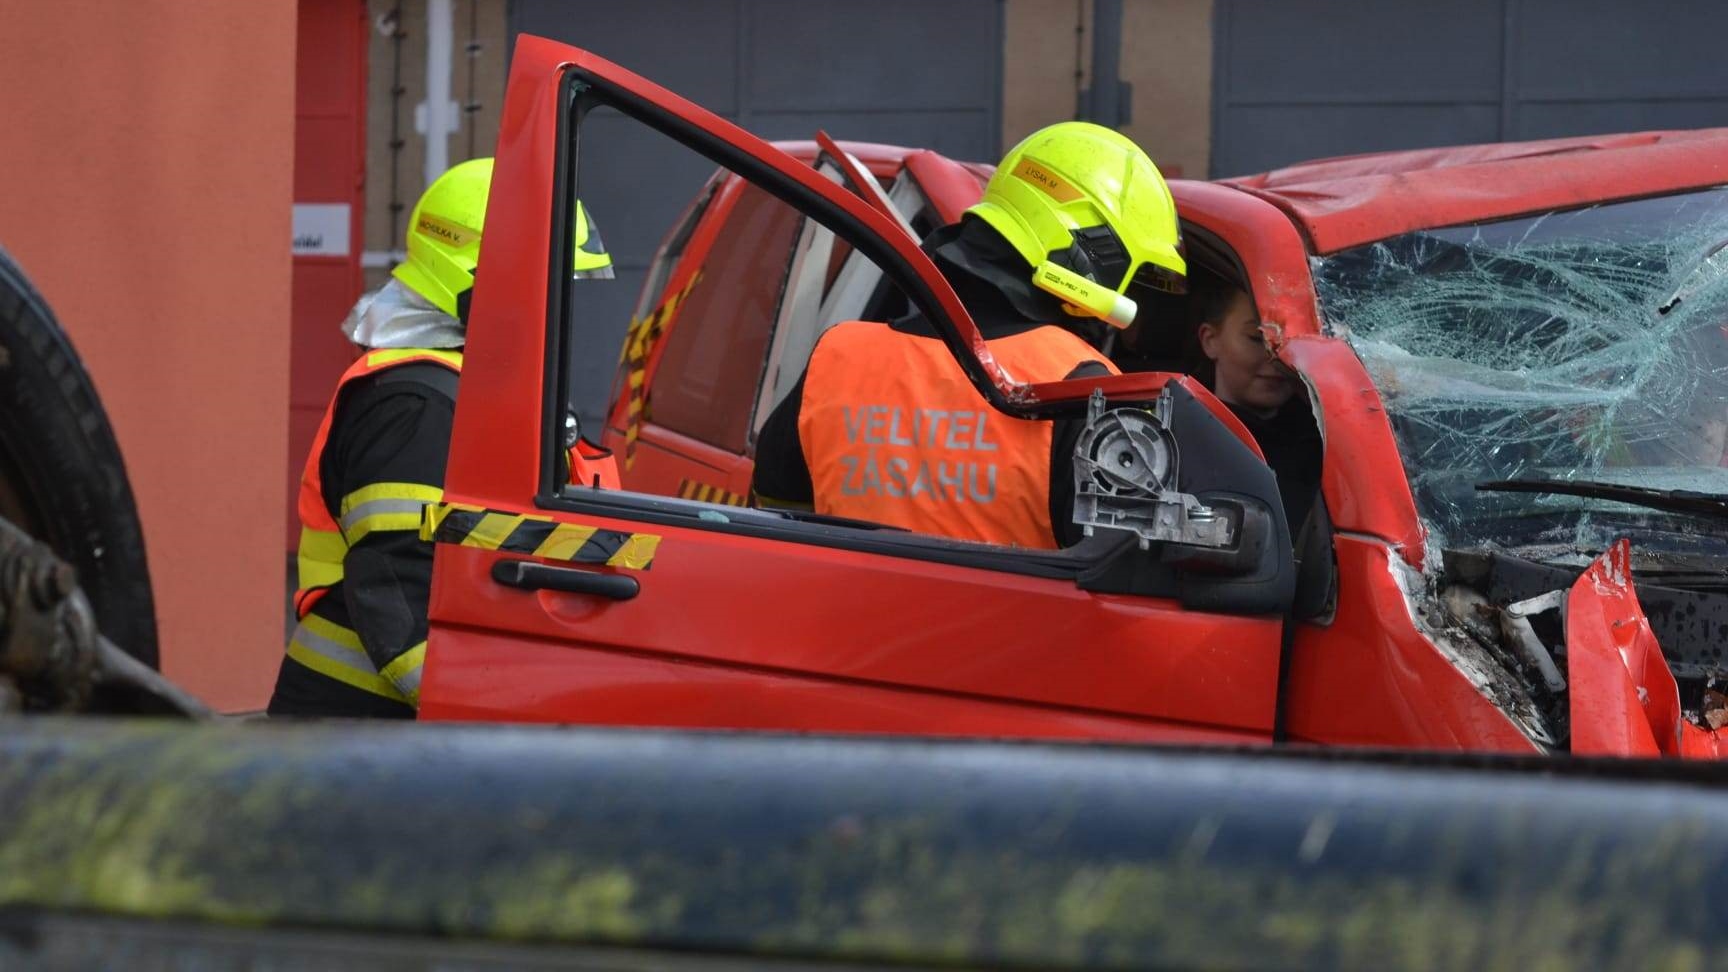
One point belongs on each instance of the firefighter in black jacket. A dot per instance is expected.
(364, 573)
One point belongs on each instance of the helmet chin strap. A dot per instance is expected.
(1082, 297)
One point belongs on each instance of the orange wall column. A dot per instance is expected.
(147, 167)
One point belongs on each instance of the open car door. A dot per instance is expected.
(562, 603)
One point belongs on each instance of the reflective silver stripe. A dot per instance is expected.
(404, 671)
(334, 650)
(409, 683)
(373, 507)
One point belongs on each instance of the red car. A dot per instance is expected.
(1545, 320)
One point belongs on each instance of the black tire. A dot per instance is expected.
(61, 475)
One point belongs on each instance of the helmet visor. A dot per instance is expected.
(1151, 276)
(1098, 254)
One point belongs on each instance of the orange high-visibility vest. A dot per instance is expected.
(322, 542)
(322, 545)
(894, 433)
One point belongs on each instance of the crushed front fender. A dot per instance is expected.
(1624, 700)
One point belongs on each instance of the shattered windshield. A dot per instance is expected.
(1589, 344)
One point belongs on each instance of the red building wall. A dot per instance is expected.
(147, 166)
(329, 207)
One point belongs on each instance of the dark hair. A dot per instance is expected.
(1209, 297)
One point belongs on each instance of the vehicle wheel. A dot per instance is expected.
(61, 475)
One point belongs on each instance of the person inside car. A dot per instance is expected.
(884, 426)
(1265, 394)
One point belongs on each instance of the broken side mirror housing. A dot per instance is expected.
(1190, 499)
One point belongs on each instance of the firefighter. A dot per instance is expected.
(884, 426)
(379, 457)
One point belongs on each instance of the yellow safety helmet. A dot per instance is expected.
(444, 233)
(1091, 215)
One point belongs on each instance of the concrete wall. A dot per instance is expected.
(1303, 79)
(148, 162)
(1047, 60)
(1166, 56)
(395, 170)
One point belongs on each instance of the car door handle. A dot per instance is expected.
(531, 576)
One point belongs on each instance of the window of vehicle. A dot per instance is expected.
(1582, 345)
(752, 276)
(706, 379)
(671, 251)
(849, 287)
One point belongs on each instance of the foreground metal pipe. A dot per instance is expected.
(51, 655)
(861, 849)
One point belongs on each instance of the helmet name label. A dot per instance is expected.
(1053, 185)
(445, 231)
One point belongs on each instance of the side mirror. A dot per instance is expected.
(1196, 499)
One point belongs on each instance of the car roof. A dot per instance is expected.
(881, 160)
(1349, 201)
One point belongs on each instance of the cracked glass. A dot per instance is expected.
(1587, 344)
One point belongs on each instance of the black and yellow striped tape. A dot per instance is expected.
(639, 342)
(690, 489)
(540, 536)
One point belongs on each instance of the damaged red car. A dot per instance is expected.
(1515, 355)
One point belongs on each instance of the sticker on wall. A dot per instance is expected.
(321, 229)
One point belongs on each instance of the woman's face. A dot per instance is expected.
(1247, 375)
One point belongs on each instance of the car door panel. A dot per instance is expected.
(665, 462)
(741, 618)
(905, 629)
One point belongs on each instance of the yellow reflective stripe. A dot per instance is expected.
(358, 530)
(566, 539)
(432, 518)
(404, 672)
(490, 532)
(636, 553)
(417, 492)
(330, 631)
(348, 675)
(320, 558)
(379, 358)
(332, 650)
(385, 506)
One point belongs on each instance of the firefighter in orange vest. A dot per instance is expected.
(364, 573)
(884, 426)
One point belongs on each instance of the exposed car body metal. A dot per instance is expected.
(1345, 202)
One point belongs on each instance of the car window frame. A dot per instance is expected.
(671, 249)
(806, 278)
(582, 91)
(842, 300)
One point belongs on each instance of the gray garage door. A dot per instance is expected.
(909, 72)
(1301, 79)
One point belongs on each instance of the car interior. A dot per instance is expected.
(727, 327)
